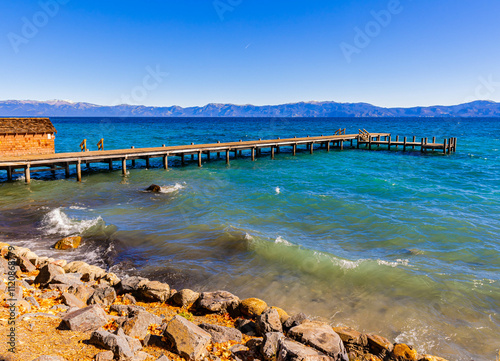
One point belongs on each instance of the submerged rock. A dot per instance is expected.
(154, 188)
(68, 243)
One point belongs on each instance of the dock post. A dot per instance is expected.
(404, 144)
(444, 145)
(342, 144)
(79, 171)
(311, 148)
(192, 157)
(147, 162)
(9, 173)
(414, 140)
(66, 170)
(454, 144)
(389, 142)
(422, 145)
(110, 162)
(370, 142)
(357, 143)
(165, 161)
(397, 140)
(449, 146)
(235, 154)
(199, 158)
(227, 156)
(272, 151)
(278, 149)
(294, 149)
(240, 153)
(328, 146)
(183, 161)
(253, 154)
(124, 166)
(27, 174)
(208, 155)
(433, 139)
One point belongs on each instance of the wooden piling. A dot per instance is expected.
(444, 145)
(397, 140)
(253, 154)
(147, 163)
(199, 159)
(389, 142)
(208, 156)
(404, 144)
(422, 145)
(272, 151)
(9, 173)
(227, 157)
(27, 174)
(183, 161)
(110, 163)
(124, 166)
(327, 146)
(311, 148)
(413, 141)
(165, 161)
(79, 171)
(294, 149)
(341, 145)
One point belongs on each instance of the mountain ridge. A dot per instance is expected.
(64, 108)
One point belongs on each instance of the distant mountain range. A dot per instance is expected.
(304, 109)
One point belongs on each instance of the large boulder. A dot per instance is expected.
(185, 297)
(289, 350)
(320, 336)
(117, 344)
(353, 340)
(222, 334)
(154, 291)
(130, 285)
(252, 307)
(404, 352)
(137, 323)
(268, 321)
(72, 301)
(105, 296)
(188, 340)
(68, 243)
(154, 188)
(47, 274)
(86, 319)
(294, 320)
(269, 347)
(89, 272)
(217, 302)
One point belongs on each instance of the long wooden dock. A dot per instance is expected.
(63, 161)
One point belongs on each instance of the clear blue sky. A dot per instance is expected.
(250, 51)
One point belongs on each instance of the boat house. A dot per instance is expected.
(26, 136)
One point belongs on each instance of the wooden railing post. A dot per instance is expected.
(83, 145)
(100, 145)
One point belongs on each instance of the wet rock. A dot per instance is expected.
(252, 307)
(403, 352)
(188, 340)
(268, 321)
(86, 319)
(129, 285)
(379, 345)
(289, 350)
(105, 296)
(352, 339)
(72, 301)
(68, 243)
(104, 356)
(47, 274)
(222, 334)
(247, 327)
(320, 336)
(154, 291)
(138, 322)
(185, 297)
(89, 272)
(154, 188)
(294, 320)
(49, 358)
(270, 344)
(217, 302)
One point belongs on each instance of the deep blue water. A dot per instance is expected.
(402, 244)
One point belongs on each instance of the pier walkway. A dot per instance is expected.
(29, 164)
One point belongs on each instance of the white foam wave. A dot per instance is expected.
(172, 188)
(277, 190)
(57, 222)
(398, 262)
(280, 240)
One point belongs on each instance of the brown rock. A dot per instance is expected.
(68, 243)
(188, 340)
(105, 296)
(89, 272)
(252, 307)
(433, 358)
(185, 297)
(104, 356)
(221, 334)
(26, 265)
(352, 339)
(282, 313)
(379, 345)
(268, 321)
(289, 350)
(47, 274)
(217, 302)
(138, 322)
(154, 188)
(404, 352)
(72, 301)
(84, 293)
(86, 319)
(154, 291)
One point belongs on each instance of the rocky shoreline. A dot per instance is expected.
(54, 310)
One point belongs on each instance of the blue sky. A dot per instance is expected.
(188, 53)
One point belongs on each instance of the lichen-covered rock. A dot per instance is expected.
(320, 336)
(403, 352)
(188, 340)
(268, 321)
(217, 302)
(86, 319)
(222, 334)
(252, 307)
(289, 350)
(185, 297)
(68, 243)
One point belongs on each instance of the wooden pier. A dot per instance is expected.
(29, 164)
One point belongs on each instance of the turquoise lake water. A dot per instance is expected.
(406, 245)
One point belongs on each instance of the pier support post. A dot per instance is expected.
(404, 144)
(9, 173)
(311, 148)
(444, 145)
(278, 149)
(397, 140)
(124, 166)
(199, 159)
(227, 157)
(110, 162)
(272, 152)
(357, 143)
(295, 149)
(183, 161)
(208, 156)
(79, 171)
(351, 142)
(66, 170)
(165, 161)
(449, 146)
(328, 146)
(422, 145)
(454, 144)
(413, 141)
(433, 139)
(235, 154)
(389, 142)
(342, 144)
(27, 174)
(192, 157)
(147, 163)
(370, 143)
(253, 154)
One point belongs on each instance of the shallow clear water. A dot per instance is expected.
(401, 244)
